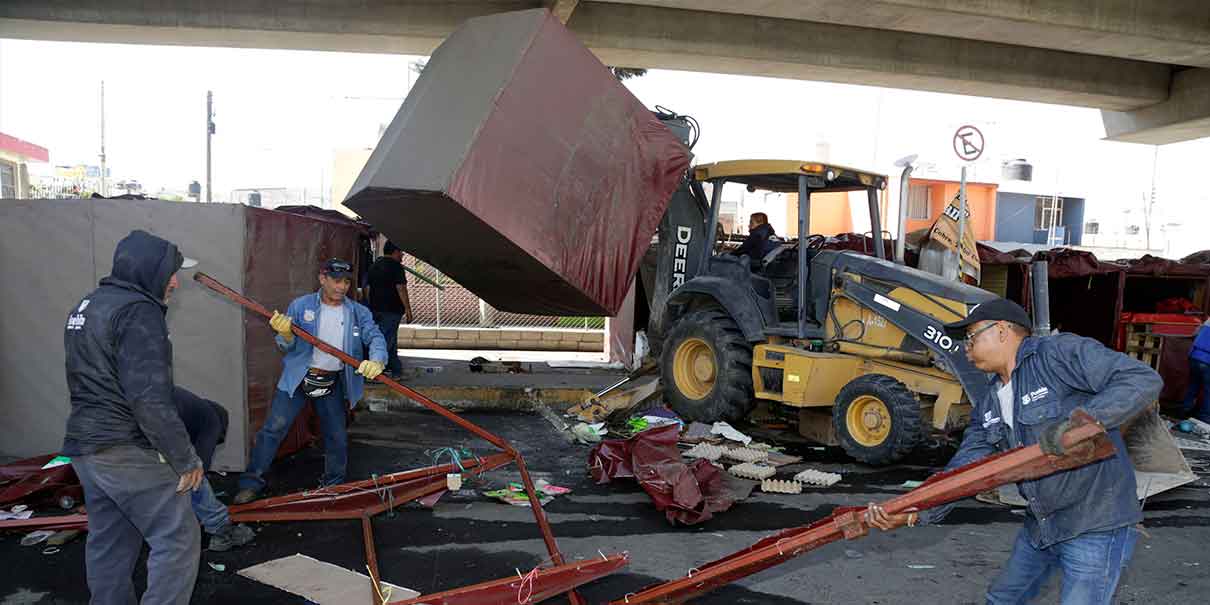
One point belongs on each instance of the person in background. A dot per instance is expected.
(206, 423)
(757, 244)
(388, 300)
(1199, 375)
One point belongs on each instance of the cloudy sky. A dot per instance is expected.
(281, 115)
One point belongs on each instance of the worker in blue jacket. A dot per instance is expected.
(1199, 375)
(1080, 522)
(311, 375)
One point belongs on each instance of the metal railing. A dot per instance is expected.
(453, 306)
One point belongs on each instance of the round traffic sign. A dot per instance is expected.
(968, 143)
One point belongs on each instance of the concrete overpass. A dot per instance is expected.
(1145, 63)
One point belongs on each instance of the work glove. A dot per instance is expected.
(370, 369)
(281, 324)
(1051, 439)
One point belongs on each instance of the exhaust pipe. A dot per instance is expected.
(904, 190)
(1040, 294)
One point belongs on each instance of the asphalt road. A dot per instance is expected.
(467, 538)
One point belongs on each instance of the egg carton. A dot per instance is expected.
(780, 486)
(705, 450)
(745, 454)
(817, 478)
(748, 470)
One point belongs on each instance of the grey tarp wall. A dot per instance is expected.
(53, 252)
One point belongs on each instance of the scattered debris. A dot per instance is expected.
(726, 430)
(779, 459)
(697, 432)
(706, 451)
(56, 461)
(319, 581)
(780, 486)
(16, 514)
(744, 454)
(852, 554)
(36, 537)
(589, 433)
(687, 493)
(63, 536)
(217, 566)
(922, 567)
(911, 484)
(817, 478)
(748, 470)
(515, 494)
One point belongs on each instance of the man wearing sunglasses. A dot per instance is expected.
(311, 375)
(1079, 522)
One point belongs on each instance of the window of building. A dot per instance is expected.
(1092, 228)
(8, 181)
(918, 202)
(1132, 229)
(1048, 212)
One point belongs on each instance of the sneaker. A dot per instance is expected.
(233, 536)
(245, 496)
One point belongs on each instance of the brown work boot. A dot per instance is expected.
(245, 496)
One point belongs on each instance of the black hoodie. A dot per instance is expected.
(119, 358)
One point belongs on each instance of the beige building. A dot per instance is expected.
(15, 156)
(346, 167)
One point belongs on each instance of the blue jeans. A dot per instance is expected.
(331, 411)
(210, 512)
(388, 324)
(1091, 564)
(1199, 384)
(131, 498)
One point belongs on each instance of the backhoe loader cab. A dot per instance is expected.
(848, 345)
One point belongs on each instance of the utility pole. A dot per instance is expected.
(209, 134)
(104, 176)
(1149, 204)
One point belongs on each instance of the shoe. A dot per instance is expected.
(233, 536)
(245, 496)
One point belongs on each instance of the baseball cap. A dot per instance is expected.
(1000, 309)
(334, 267)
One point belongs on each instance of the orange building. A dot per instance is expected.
(927, 198)
(832, 213)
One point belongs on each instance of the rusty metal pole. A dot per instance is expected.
(367, 537)
(543, 526)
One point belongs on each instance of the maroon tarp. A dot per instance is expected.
(523, 169)
(1162, 267)
(687, 493)
(25, 478)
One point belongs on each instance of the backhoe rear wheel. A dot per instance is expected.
(706, 368)
(877, 419)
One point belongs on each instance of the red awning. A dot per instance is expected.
(23, 148)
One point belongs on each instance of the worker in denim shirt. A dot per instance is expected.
(309, 374)
(1080, 522)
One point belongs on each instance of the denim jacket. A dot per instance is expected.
(359, 333)
(1054, 376)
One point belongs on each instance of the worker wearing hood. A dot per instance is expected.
(126, 440)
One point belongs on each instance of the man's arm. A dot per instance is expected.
(974, 446)
(144, 364)
(402, 290)
(1123, 385)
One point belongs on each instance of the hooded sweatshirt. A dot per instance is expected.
(119, 358)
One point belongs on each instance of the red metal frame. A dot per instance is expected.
(367, 500)
(1086, 442)
(538, 585)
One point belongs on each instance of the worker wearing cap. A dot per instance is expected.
(127, 443)
(1079, 522)
(311, 375)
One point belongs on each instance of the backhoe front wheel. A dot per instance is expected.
(706, 368)
(877, 419)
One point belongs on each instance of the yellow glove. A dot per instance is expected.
(370, 369)
(281, 324)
